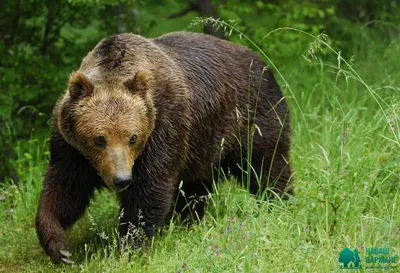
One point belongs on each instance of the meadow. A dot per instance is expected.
(345, 147)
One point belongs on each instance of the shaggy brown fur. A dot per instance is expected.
(148, 113)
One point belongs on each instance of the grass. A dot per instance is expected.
(345, 149)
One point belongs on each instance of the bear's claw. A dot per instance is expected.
(65, 257)
(65, 253)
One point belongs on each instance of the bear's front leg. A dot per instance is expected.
(48, 225)
(144, 206)
(67, 189)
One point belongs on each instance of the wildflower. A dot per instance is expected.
(216, 249)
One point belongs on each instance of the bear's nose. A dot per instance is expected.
(121, 182)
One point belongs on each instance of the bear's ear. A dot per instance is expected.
(79, 86)
(140, 82)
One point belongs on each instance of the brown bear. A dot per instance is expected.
(141, 115)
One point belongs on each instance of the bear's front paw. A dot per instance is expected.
(58, 253)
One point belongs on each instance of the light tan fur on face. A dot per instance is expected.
(117, 118)
(116, 110)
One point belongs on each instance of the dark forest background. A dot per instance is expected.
(43, 41)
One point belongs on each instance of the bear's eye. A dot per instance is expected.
(100, 141)
(132, 140)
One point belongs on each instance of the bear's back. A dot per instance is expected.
(215, 70)
(218, 74)
(202, 55)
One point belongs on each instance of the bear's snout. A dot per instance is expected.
(122, 182)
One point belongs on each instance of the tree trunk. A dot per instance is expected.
(207, 9)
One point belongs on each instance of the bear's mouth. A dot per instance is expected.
(118, 189)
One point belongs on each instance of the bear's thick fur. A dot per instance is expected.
(141, 115)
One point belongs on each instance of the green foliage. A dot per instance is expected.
(262, 22)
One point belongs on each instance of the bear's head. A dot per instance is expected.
(108, 123)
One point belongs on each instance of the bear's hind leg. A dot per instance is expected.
(270, 175)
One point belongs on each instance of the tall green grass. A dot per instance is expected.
(345, 149)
